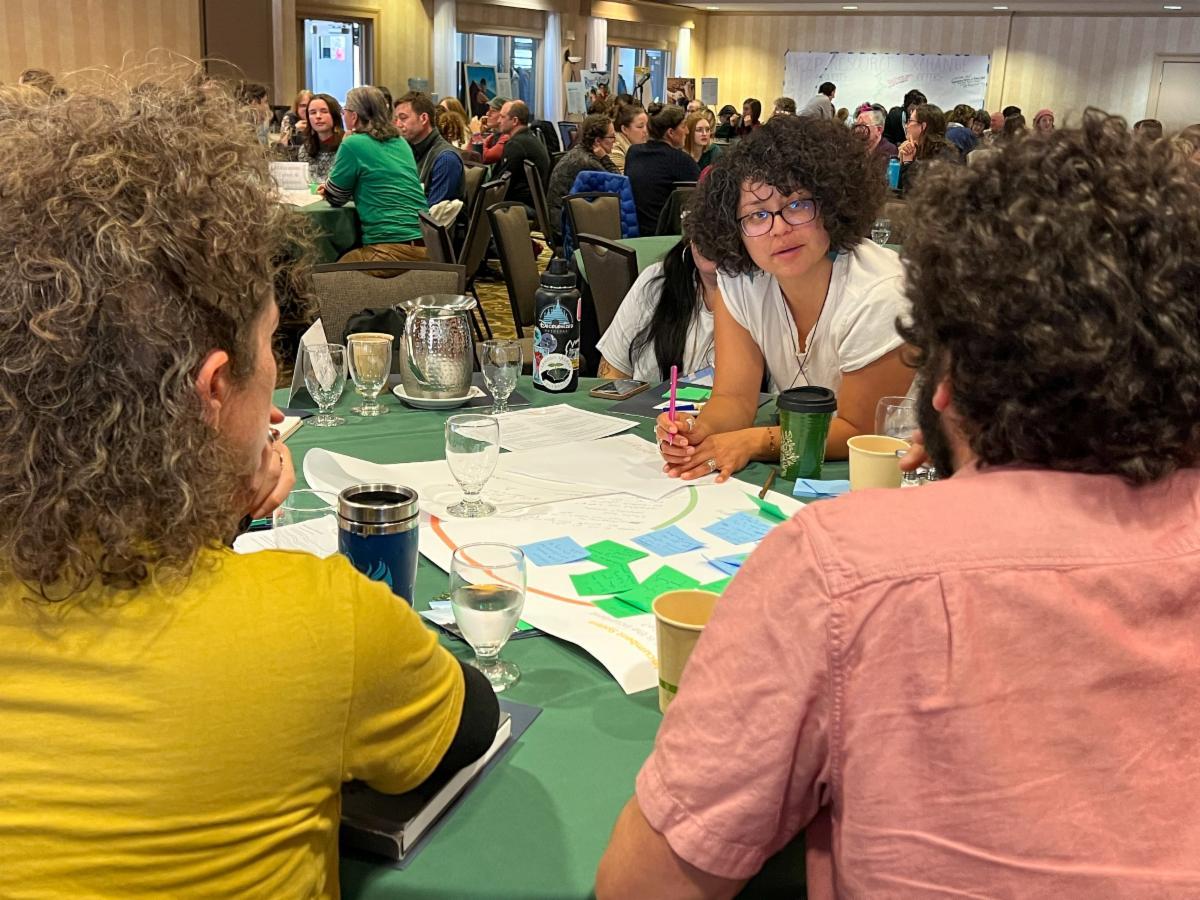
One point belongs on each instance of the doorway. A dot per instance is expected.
(337, 55)
(1175, 91)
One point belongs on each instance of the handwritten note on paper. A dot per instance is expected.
(740, 528)
(610, 553)
(668, 541)
(663, 580)
(555, 552)
(612, 580)
(729, 565)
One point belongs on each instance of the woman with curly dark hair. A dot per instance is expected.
(803, 295)
(376, 169)
(178, 718)
(926, 142)
(591, 154)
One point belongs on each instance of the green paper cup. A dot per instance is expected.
(804, 417)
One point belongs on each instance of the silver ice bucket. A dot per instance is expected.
(438, 351)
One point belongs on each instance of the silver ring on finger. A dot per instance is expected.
(691, 424)
(712, 465)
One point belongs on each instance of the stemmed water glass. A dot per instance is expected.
(501, 363)
(487, 594)
(325, 378)
(896, 417)
(370, 356)
(472, 450)
(881, 231)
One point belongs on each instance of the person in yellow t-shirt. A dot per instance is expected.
(177, 720)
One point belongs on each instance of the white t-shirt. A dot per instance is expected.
(633, 319)
(856, 327)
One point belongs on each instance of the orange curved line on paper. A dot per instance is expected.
(436, 524)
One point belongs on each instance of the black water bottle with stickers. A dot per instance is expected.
(556, 330)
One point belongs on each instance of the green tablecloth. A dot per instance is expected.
(537, 826)
(338, 229)
(649, 250)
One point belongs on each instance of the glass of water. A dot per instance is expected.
(881, 231)
(487, 593)
(501, 363)
(305, 520)
(896, 417)
(325, 378)
(472, 450)
(370, 358)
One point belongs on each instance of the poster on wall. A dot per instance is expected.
(479, 83)
(504, 86)
(681, 91)
(576, 98)
(708, 91)
(947, 79)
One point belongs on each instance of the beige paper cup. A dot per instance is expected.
(873, 462)
(679, 617)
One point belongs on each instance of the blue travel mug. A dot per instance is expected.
(377, 531)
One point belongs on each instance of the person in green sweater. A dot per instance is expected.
(375, 168)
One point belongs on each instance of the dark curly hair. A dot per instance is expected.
(1080, 352)
(790, 153)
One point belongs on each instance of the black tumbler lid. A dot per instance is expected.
(377, 504)
(809, 399)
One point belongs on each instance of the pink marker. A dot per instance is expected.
(671, 408)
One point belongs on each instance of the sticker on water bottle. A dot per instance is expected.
(555, 370)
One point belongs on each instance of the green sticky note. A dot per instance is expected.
(663, 580)
(522, 625)
(617, 608)
(690, 392)
(610, 553)
(717, 587)
(612, 580)
(768, 509)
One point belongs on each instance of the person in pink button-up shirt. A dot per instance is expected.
(987, 686)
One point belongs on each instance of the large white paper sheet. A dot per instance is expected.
(317, 536)
(547, 426)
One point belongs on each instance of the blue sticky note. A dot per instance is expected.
(740, 528)
(668, 541)
(728, 565)
(815, 487)
(555, 552)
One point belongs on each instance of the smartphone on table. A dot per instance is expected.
(620, 389)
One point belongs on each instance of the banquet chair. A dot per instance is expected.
(474, 174)
(439, 247)
(510, 231)
(343, 289)
(479, 236)
(597, 213)
(541, 208)
(611, 271)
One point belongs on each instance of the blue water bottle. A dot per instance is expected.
(894, 174)
(377, 531)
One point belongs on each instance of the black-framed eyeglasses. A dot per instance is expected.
(761, 221)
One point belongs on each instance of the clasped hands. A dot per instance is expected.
(691, 452)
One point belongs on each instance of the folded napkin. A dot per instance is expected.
(815, 487)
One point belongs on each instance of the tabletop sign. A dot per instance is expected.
(290, 176)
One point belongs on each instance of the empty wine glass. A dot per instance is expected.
(487, 594)
(315, 510)
(325, 378)
(370, 357)
(896, 417)
(501, 364)
(472, 450)
(881, 231)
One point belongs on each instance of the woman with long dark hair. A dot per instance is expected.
(665, 320)
(653, 168)
(803, 296)
(926, 142)
(323, 135)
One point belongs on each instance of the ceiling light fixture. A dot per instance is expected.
(1173, 8)
(712, 7)
(849, 7)
(1000, 7)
